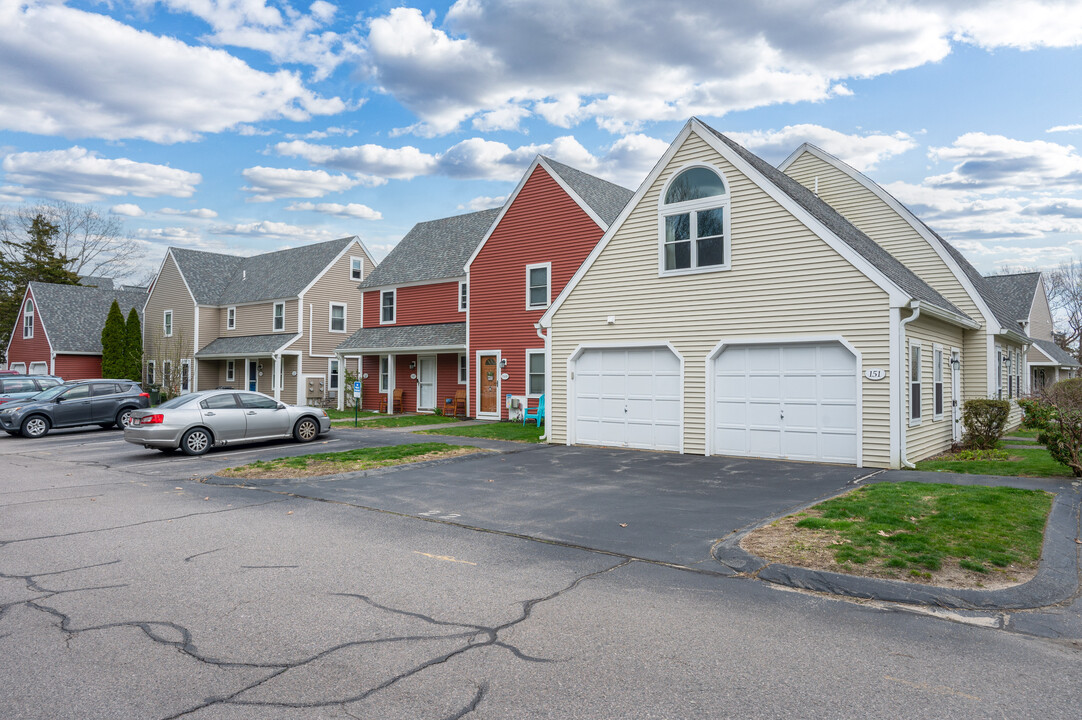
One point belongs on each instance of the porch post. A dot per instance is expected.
(341, 382)
(391, 372)
(277, 364)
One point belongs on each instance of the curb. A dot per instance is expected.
(1056, 579)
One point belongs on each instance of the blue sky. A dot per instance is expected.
(250, 125)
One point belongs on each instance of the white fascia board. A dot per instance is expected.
(1051, 360)
(19, 324)
(1014, 336)
(946, 315)
(169, 254)
(503, 211)
(659, 167)
(340, 350)
(329, 265)
(415, 283)
(904, 213)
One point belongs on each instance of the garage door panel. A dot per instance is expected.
(799, 401)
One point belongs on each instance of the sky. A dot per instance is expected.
(245, 126)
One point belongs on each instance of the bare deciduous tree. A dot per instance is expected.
(94, 243)
(1064, 286)
(168, 355)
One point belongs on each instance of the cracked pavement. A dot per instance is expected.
(128, 590)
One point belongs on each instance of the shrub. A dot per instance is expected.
(1056, 414)
(984, 422)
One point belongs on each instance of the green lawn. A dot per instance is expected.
(346, 461)
(393, 421)
(1022, 462)
(917, 527)
(496, 431)
(348, 414)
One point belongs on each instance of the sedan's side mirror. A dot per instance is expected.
(58, 400)
(281, 406)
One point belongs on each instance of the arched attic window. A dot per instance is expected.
(694, 222)
(28, 319)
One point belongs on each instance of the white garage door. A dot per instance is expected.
(796, 401)
(628, 397)
(38, 368)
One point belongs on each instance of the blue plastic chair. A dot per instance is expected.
(537, 415)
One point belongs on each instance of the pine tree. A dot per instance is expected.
(33, 260)
(134, 338)
(114, 344)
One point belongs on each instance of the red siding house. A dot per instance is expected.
(59, 327)
(452, 308)
(544, 231)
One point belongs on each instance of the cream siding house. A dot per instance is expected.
(267, 322)
(729, 311)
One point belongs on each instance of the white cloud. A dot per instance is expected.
(1065, 128)
(991, 163)
(78, 175)
(863, 152)
(272, 183)
(483, 202)
(399, 163)
(350, 210)
(80, 74)
(267, 229)
(127, 209)
(200, 213)
(625, 64)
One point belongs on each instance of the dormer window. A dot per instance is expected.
(694, 223)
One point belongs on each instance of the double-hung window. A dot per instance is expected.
(914, 383)
(338, 318)
(387, 306)
(356, 269)
(463, 296)
(384, 374)
(28, 319)
(538, 286)
(694, 223)
(1010, 374)
(1018, 373)
(463, 370)
(167, 323)
(999, 373)
(230, 370)
(150, 372)
(332, 372)
(231, 318)
(535, 372)
(279, 316)
(937, 379)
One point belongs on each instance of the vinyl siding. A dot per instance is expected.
(784, 282)
(258, 319)
(877, 220)
(333, 286)
(542, 225)
(211, 325)
(932, 436)
(168, 293)
(417, 305)
(1015, 417)
(1040, 315)
(76, 367)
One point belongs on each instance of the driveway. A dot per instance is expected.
(654, 506)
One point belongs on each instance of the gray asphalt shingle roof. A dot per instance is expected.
(1057, 353)
(864, 246)
(219, 279)
(250, 345)
(439, 335)
(605, 198)
(1015, 292)
(433, 250)
(74, 316)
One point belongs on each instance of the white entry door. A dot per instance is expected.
(628, 397)
(796, 401)
(426, 383)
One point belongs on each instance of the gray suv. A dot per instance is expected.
(81, 402)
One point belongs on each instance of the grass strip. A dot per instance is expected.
(394, 421)
(1021, 462)
(921, 527)
(347, 461)
(513, 432)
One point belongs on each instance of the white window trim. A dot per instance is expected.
(332, 388)
(185, 364)
(330, 317)
(548, 282)
(28, 312)
(230, 370)
(167, 326)
(359, 260)
(938, 388)
(693, 206)
(383, 380)
(526, 386)
(463, 364)
(151, 378)
(915, 421)
(394, 306)
(274, 316)
(463, 306)
(231, 317)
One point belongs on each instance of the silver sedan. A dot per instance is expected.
(214, 418)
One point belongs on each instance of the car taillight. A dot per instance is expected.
(152, 420)
(146, 395)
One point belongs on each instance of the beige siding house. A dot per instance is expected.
(730, 310)
(268, 322)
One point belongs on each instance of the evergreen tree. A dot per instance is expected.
(114, 345)
(134, 337)
(32, 260)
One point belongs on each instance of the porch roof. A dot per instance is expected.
(246, 346)
(444, 337)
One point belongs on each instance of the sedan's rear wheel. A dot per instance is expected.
(306, 430)
(195, 442)
(35, 426)
(123, 418)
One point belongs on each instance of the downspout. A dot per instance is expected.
(548, 356)
(903, 361)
